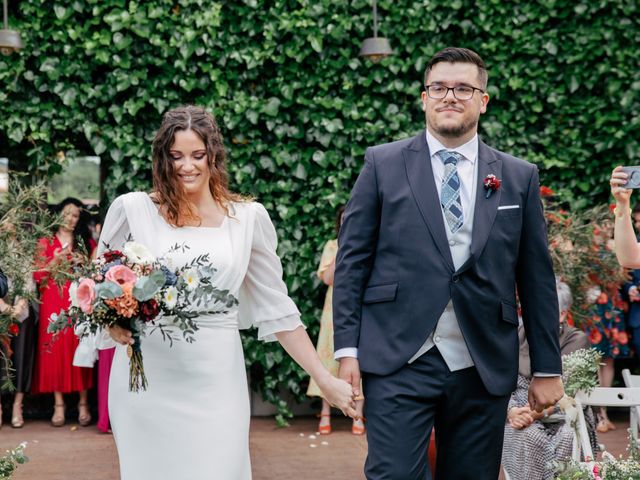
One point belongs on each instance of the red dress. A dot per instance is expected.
(54, 371)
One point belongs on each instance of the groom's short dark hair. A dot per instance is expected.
(459, 55)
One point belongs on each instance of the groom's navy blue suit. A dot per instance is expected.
(394, 277)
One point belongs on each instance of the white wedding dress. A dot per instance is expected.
(192, 422)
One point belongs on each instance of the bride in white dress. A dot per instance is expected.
(192, 422)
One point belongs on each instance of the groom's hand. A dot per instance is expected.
(545, 392)
(350, 372)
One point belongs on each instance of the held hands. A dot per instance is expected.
(339, 394)
(622, 195)
(350, 373)
(120, 335)
(545, 392)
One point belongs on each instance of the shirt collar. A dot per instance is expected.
(469, 150)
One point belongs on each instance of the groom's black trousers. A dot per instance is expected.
(403, 407)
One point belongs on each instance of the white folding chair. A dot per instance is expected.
(632, 381)
(602, 397)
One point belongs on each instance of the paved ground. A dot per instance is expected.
(284, 454)
(80, 453)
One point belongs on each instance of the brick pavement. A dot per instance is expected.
(283, 454)
(76, 453)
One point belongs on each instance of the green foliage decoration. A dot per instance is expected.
(298, 107)
(11, 460)
(24, 218)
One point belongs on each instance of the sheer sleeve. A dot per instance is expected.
(264, 301)
(115, 231)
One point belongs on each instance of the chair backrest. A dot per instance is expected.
(633, 381)
(629, 379)
(604, 397)
(611, 397)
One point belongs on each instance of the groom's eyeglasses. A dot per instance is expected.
(461, 92)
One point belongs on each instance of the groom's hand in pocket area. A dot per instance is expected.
(350, 372)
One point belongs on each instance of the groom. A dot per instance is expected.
(425, 287)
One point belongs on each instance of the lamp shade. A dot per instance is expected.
(10, 41)
(375, 48)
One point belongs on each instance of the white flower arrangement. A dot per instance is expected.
(171, 298)
(191, 278)
(138, 253)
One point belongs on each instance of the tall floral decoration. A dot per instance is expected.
(24, 218)
(577, 259)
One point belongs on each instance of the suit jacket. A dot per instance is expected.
(394, 273)
(4, 284)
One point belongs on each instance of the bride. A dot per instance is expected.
(193, 420)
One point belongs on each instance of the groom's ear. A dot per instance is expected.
(423, 98)
(485, 101)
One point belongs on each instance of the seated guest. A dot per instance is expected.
(532, 440)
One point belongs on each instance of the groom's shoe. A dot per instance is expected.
(324, 429)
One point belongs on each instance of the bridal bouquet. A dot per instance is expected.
(132, 289)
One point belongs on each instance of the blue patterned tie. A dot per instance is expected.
(450, 191)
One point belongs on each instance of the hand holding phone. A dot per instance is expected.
(633, 176)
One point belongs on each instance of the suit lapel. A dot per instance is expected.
(485, 208)
(417, 160)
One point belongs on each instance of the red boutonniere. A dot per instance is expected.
(13, 330)
(491, 184)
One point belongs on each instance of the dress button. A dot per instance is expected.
(452, 243)
(436, 339)
(456, 279)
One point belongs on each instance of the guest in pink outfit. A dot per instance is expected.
(105, 358)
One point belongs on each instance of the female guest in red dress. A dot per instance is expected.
(54, 371)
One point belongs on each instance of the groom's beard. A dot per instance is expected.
(456, 131)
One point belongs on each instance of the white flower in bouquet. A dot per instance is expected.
(171, 297)
(592, 294)
(138, 253)
(73, 294)
(191, 278)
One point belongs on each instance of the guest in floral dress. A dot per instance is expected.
(325, 337)
(606, 326)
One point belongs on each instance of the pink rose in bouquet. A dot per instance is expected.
(122, 275)
(86, 295)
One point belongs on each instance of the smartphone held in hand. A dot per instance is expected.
(633, 179)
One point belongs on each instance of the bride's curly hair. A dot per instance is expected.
(168, 193)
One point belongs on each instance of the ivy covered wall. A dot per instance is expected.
(298, 108)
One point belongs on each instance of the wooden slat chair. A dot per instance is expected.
(602, 397)
(633, 381)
